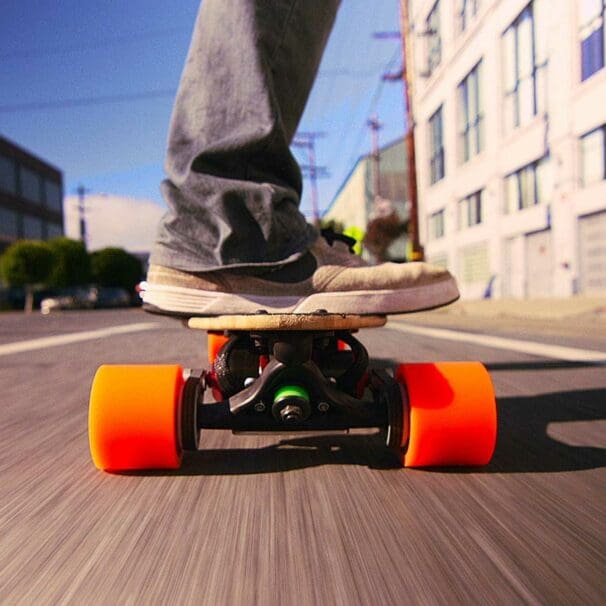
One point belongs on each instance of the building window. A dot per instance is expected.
(33, 228)
(466, 10)
(525, 61)
(528, 186)
(593, 156)
(53, 230)
(592, 37)
(9, 224)
(470, 115)
(470, 210)
(52, 195)
(436, 225)
(8, 175)
(434, 40)
(436, 159)
(31, 185)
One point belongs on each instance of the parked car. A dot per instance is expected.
(112, 297)
(69, 298)
(87, 297)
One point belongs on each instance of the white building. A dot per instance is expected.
(510, 113)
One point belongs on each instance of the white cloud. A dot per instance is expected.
(113, 220)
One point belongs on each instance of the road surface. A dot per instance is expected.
(313, 520)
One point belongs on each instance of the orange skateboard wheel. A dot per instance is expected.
(134, 417)
(216, 341)
(452, 414)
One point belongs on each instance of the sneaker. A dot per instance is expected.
(329, 277)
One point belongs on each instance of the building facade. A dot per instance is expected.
(354, 203)
(31, 196)
(510, 131)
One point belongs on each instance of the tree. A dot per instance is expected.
(115, 267)
(381, 233)
(72, 263)
(27, 263)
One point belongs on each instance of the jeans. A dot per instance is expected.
(233, 188)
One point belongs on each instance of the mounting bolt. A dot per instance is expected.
(323, 406)
(249, 381)
(260, 407)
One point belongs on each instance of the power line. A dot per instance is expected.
(103, 99)
(373, 106)
(85, 101)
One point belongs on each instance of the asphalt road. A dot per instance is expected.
(313, 520)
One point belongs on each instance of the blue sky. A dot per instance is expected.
(53, 53)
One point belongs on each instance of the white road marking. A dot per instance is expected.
(44, 342)
(558, 352)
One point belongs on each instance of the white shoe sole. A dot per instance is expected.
(191, 301)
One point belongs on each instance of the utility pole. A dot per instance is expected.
(375, 126)
(406, 77)
(311, 170)
(417, 253)
(82, 191)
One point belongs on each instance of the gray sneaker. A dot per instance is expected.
(328, 277)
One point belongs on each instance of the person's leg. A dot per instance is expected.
(234, 240)
(233, 186)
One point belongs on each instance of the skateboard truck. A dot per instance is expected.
(291, 392)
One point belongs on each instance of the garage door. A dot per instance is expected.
(592, 242)
(474, 264)
(539, 263)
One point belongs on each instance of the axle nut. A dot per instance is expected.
(291, 404)
(291, 414)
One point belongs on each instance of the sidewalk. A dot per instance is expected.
(536, 309)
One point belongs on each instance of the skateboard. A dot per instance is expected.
(288, 373)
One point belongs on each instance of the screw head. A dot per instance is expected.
(323, 406)
(259, 407)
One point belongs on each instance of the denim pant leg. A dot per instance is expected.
(233, 186)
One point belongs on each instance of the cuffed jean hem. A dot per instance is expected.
(166, 256)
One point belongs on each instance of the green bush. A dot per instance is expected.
(71, 265)
(115, 267)
(26, 262)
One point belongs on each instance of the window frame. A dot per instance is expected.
(38, 179)
(583, 181)
(433, 37)
(470, 127)
(598, 27)
(437, 165)
(522, 176)
(462, 19)
(434, 220)
(11, 164)
(515, 121)
(471, 210)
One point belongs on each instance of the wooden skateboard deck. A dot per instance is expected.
(286, 322)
